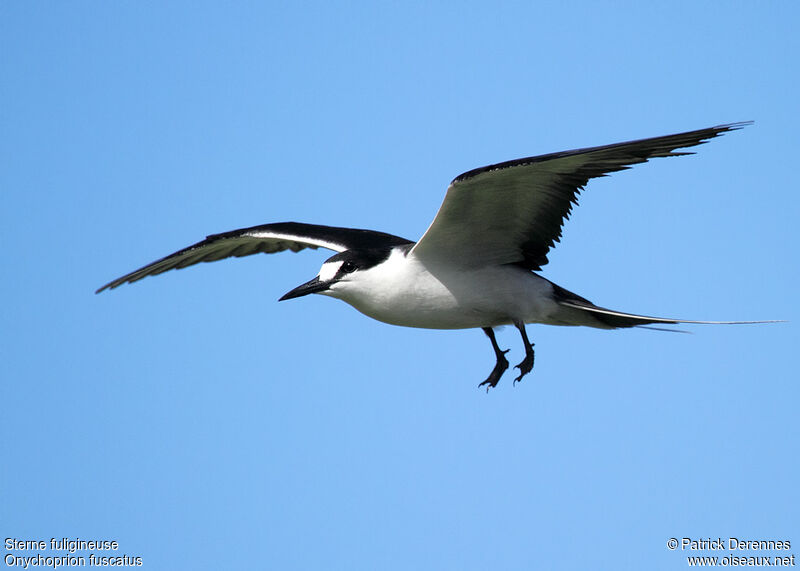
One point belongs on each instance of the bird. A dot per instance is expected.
(477, 265)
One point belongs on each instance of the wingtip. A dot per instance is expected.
(735, 126)
(109, 285)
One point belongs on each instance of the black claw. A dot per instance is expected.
(497, 372)
(501, 365)
(526, 366)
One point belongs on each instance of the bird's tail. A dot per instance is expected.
(616, 319)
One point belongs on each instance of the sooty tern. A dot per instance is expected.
(474, 266)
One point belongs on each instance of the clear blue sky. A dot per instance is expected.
(203, 425)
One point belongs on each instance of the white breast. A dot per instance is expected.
(403, 291)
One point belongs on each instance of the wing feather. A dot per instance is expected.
(513, 212)
(267, 239)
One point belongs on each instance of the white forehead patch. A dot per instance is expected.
(329, 270)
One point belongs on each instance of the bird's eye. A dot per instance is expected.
(348, 267)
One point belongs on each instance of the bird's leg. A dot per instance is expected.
(526, 365)
(502, 363)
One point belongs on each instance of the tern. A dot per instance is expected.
(475, 265)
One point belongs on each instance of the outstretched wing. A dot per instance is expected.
(267, 239)
(512, 212)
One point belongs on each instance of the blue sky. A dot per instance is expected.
(203, 425)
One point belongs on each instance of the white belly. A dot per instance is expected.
(451, 298)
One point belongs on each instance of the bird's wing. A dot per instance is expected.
(267, 238)
(512, 212)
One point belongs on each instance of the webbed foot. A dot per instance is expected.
(497, 372)
(526, 366)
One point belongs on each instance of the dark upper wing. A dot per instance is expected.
(268, 239)
(512, 212)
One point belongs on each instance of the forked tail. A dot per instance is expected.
(616, 319)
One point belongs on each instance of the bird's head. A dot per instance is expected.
(347, 272)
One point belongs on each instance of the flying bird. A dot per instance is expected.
(474, 267)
